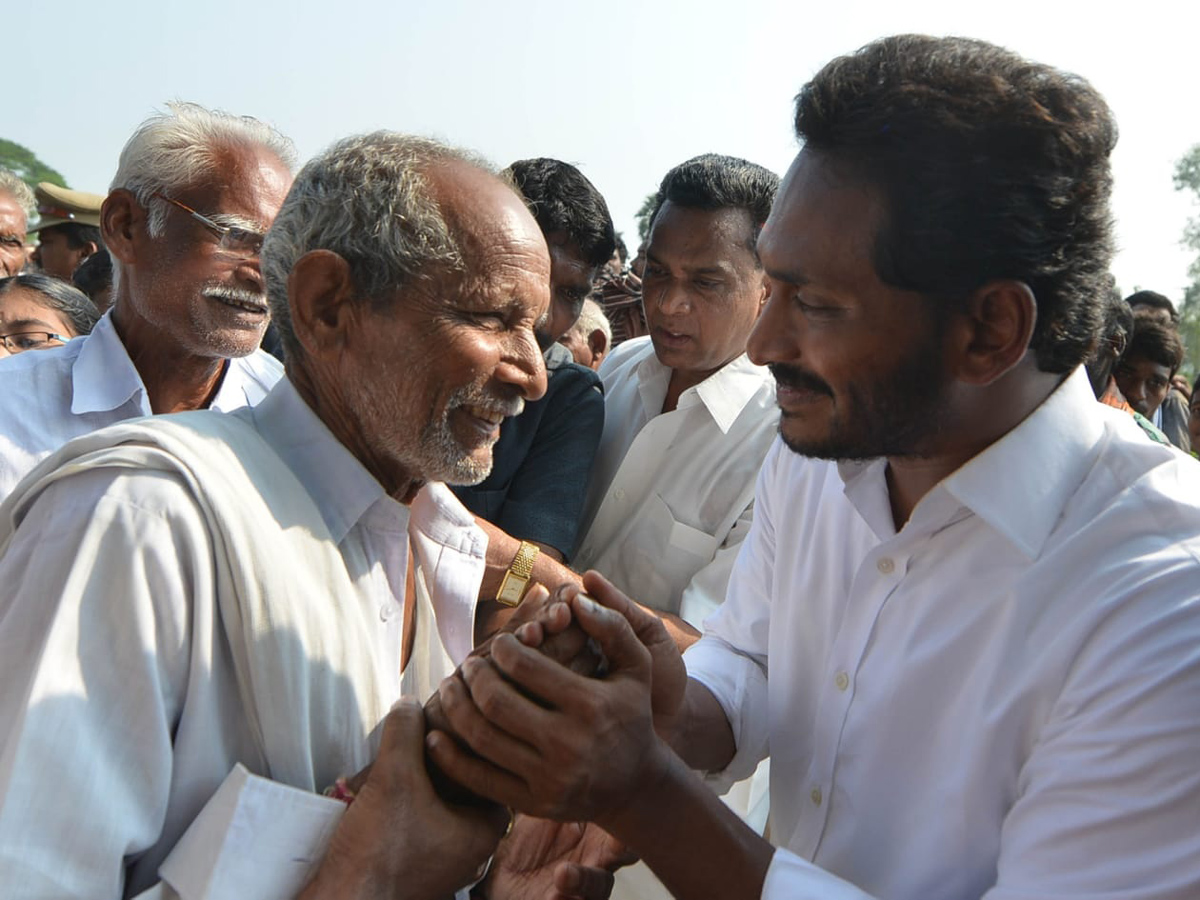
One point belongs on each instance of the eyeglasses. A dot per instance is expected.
(31, 340)
(233, 239)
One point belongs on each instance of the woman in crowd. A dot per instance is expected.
(38, 312)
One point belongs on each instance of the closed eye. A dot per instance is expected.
(816, 310)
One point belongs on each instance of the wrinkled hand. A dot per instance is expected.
(543, 621)
(398, 837)
(555, 860)
(580, 754)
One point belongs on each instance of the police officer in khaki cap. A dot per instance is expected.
(69, 229)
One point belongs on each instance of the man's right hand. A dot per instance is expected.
(399, 838)
(543, 621)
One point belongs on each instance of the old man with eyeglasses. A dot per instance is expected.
(195, 191)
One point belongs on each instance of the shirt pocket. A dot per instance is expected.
(671, 553)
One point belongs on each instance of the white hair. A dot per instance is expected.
(11, 183)
(366, 199)
(175, 150)
(591, 317)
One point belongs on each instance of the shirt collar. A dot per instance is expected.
(341, 488)
(724, 393)
(440, 515)
(653, 379)
(235, 388)
(1020, 484)
(103, 376)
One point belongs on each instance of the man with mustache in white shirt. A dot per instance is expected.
(965, 624)
(194, 193)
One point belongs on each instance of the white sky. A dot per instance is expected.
(624, 89)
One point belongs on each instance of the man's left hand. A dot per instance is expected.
(555, 860)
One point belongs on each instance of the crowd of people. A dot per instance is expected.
(379, 529)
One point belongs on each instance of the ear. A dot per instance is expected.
(1119, 342)
(598, 344)
(88, 249)
(993, 332)
(320, 295)
(122, 224)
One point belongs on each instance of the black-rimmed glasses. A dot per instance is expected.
(20, 341)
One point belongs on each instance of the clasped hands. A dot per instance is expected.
(523, 724)
(518, 727)
(529, 723)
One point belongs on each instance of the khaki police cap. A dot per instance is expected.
(59, 205)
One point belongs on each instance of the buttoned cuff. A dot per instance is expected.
(739, 684)
(254, 838)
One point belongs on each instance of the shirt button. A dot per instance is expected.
(842, 680)
(885, 565)
(618, 494)
(816, 796)
(385, 613)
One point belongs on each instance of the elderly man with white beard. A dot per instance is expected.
(205, 618)
(194, 192)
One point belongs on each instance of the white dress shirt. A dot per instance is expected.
(51, 396)
(1000, 700)
(671, 494)
(120, 706)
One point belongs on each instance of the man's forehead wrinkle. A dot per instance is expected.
(242, 177)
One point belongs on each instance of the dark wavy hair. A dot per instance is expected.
(990, 166)
(1153, 300)
(1158, 343)
(713, 181)
(562, 199)
(57, 295)
(78, 234)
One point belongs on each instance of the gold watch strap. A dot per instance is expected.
(516, 579)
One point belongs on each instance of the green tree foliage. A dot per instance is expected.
(643, 216)
(26, 165)
(1187, 178)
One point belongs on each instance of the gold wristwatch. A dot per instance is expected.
(516, 579)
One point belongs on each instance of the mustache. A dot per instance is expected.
(488, 402)
(792, 377)
(238, 295)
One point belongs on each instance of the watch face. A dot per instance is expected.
(511, 590)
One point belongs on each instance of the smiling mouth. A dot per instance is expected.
(245, 303)
(491, 416)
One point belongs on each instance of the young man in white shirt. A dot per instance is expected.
(966, 622)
